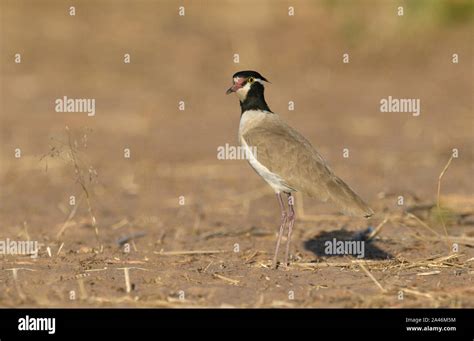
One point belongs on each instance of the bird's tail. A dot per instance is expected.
(349, 202)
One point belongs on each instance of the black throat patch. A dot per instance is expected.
(255, 99)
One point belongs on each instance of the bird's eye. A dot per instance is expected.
(250, 80)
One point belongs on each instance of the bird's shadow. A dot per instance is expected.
(322, 244)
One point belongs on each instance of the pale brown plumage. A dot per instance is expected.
(285, 159)
(284, 151)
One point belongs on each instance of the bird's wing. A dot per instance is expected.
(288, 154)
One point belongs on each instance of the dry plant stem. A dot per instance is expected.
(195, 252)
(80, 180)
(19, 291)
(127, 279)
(227, 279)
(72, 157)
(367, 272)
(438, 204)
(377, 230)
(96, 270)
(340, 264)
(422, 223)
(249, 258)
(60, 248)
(430, 273)
(207, 267)
(431, 262)
(68, 219)
(127, 299)
(418, 293)
(126, 271)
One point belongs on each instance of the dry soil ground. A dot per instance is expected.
(184, 255)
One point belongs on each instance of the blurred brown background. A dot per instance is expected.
(190, 58)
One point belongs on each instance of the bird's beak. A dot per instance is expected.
(233, 88)
(237, 85)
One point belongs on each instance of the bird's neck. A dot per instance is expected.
(255, 100)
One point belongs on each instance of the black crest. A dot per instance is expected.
(249, 73)
(255, 99)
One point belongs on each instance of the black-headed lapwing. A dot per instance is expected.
(284, 158)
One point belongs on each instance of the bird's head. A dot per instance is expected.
(247, 83)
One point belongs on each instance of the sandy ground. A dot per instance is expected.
(191, 212)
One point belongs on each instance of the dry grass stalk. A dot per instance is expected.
(341, 264)
(114, 301)
(80, 169)
(250, 257)
(227, 279)
(191, 252)
(126, 271)
(60, 248)
(377, 230)
(123, 222)
(422, 223)
(96, 270)
(438, 204)
(208, 266)
(418, 293)
(18, 289)
(281, 304)
(69, 218)
(399, 264)
(367, 272)
(436, 272)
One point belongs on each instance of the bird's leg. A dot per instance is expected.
(291, 222)
(282, 226)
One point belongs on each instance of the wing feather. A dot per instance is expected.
(287, 153)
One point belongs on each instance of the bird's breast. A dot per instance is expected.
(249, 120)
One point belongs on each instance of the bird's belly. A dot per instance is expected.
(275, 181)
